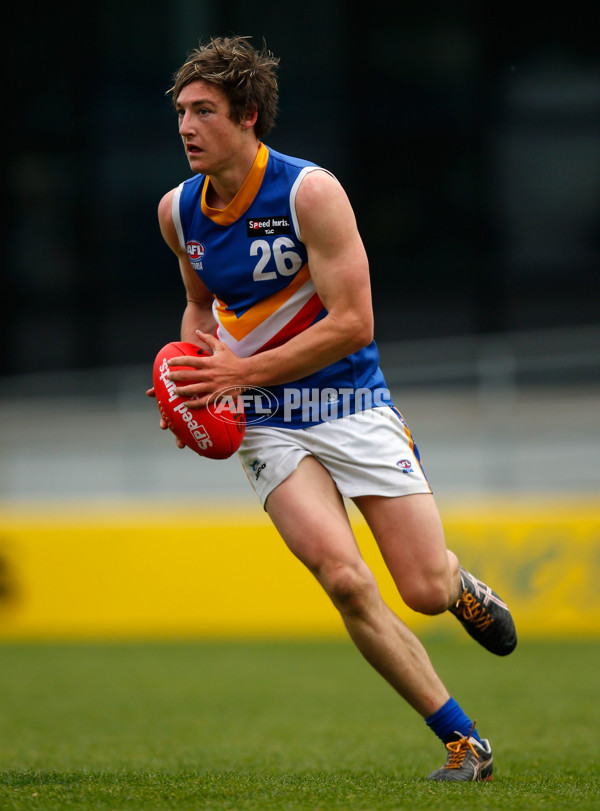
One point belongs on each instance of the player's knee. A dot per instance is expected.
(350, 589)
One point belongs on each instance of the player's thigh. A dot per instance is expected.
(409, 533)
(309, 514)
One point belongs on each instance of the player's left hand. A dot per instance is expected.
(221, 371)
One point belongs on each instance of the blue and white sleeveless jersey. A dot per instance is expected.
(250, 255)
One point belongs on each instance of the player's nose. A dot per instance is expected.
(185, 124)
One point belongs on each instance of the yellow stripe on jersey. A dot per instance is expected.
(246, 194)
(240, 327)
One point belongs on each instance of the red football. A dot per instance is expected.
(215, 431)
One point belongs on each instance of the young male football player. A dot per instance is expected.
(278, 290)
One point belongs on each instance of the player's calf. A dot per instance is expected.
(432, 598)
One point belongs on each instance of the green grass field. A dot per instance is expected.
(286, 725)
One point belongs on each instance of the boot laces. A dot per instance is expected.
(458, 751)
(470, 609)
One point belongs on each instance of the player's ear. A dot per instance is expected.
(250, 118)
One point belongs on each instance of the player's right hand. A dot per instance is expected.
(162, 424)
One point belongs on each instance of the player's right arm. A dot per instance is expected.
(198, 311)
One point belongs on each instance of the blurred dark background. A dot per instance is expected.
(468, 139)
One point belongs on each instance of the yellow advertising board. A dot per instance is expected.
(148, 571)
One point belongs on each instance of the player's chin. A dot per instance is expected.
(198, 162)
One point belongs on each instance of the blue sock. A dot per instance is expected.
(450, 719)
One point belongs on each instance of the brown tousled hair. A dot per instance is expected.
(247, 77)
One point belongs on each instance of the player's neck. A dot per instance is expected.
(225, 184)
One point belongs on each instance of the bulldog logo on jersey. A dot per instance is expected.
(195, 252)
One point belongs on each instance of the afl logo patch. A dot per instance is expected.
(195, 252)
(405, 465)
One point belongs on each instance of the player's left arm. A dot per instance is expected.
(340, 273)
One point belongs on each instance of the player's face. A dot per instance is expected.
(210, 137)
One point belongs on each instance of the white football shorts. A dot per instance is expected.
(368, 453)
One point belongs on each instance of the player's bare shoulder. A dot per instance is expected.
(318, 188)
(165, 220)
(323, 207)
